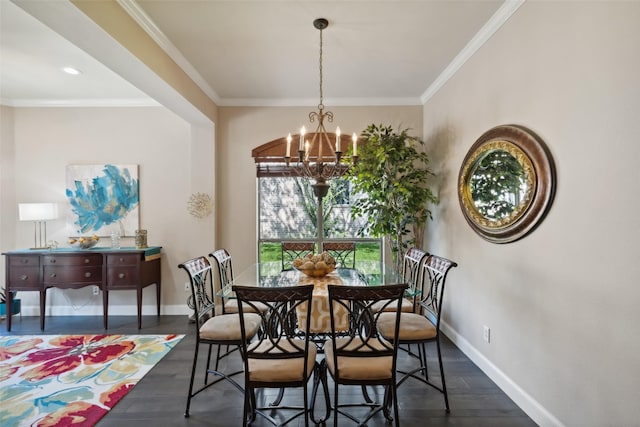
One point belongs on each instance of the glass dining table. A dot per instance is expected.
(270, 274)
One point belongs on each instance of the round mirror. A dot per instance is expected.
(506, 183)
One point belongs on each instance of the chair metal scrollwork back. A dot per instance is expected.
(293, 250)
(343, 252)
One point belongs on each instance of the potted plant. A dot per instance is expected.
(15, 304)
(393, 171)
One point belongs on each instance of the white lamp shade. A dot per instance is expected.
(37, 211)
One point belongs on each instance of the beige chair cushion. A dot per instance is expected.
(226, 327)
(407, 306)
(413, 327)
(231, 306)
(358, 368)
(281, 370)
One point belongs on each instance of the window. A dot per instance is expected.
(287, 210)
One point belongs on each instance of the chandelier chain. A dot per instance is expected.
(321, 105)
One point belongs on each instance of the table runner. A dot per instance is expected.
(320, 314)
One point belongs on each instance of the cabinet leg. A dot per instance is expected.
(139, 298)
(158, 296)
(9, 309)
(105, 307)
(43, 300)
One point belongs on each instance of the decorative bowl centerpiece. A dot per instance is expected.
(84, 242)
(315, 265)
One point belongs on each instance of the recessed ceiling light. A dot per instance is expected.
(72, 71)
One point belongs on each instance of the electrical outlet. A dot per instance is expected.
(486, 333)
(96, 290)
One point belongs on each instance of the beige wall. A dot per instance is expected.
(173, 163)
(242, 129)
(8, 210)
(562, 303)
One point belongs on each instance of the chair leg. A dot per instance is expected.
(278, 398)
(193, 375)
(335, 406)
(248, 408)
(396, 411)
(365, 394)
(444, 385)
(306, 406)
(206, 374)
(423, 361)
(320, 377)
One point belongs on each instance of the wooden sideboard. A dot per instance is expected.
(109, 269)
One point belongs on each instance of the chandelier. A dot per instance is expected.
(320, 155)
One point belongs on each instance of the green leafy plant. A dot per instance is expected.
(392, 171)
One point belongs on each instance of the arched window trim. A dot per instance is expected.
(269, 157)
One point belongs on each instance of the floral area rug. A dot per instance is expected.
(72, 380)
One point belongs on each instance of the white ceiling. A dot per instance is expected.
(261, 52)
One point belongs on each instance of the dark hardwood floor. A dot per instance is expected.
(159, 398)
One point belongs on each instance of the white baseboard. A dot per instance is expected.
(528, 404)
(96, 310)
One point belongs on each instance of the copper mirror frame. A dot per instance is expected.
(531, 188)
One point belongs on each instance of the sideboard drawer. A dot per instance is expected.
(54, 275)
(122, 259)
(122, 276)
(24, 260)
(24, 277)
(83, 259)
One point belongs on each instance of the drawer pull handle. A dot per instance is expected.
(52, 275)
(87, 260)
(87, 274)
(24, 277)
(24, 261)
(52, 261)
(121, 276)
(121, 259)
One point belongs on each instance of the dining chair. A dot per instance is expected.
(343, 252)
(361, 357)
(424, 326)
(225, 276)
(411, 273)
(280, 357)
(293, 250)
(222, 330)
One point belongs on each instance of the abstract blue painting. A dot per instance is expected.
(102, 199)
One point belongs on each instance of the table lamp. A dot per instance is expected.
(39, 213)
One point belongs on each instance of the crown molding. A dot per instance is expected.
(19, 103)
(501, 16)
(139, 15)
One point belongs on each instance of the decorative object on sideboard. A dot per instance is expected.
(200, 205)
(84, 242)
(39, 213)
(141, 239)
(506, 183)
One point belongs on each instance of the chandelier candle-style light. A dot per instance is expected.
(320, 153)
